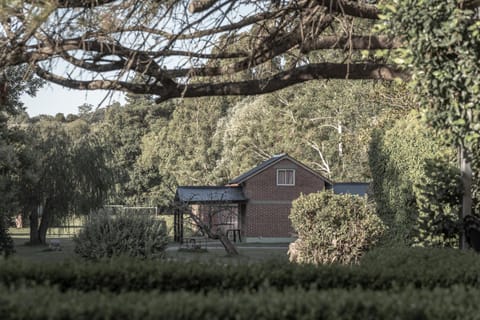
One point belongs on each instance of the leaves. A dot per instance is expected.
(444, 43)
(333, 228)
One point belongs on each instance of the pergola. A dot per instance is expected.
(211, 196)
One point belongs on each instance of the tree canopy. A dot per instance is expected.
(193, 48)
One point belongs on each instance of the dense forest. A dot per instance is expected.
(151, 148)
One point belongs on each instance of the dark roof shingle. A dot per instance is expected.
(206, 194)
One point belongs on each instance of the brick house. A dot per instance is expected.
(262, 196)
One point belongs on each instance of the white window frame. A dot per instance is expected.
(285, 171)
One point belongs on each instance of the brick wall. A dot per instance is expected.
(269, 205)
(268, 221)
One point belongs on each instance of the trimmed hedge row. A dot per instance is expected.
(380, 270)
(50, 303)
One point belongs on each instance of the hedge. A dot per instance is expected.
(49, 303)
(380, 270)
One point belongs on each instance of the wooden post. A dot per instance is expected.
(175, 225)
(180, 226)
(466, 172)
(242, 207)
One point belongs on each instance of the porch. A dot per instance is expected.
(217, 209)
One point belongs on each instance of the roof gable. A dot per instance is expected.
(270, 162)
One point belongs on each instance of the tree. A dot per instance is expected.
(327, 126)
(173, 45)
(186, 148)
(210, 220)
(415, 183)
(61, 176)
(443, 39)
(13, 83)
(122, 129)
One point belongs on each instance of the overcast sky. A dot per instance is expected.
(52, 99)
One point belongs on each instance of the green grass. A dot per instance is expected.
(248, 252)
(42, 253)
(246, 255)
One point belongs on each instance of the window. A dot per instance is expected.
(285, 177)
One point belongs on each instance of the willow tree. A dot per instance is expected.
(62, 174)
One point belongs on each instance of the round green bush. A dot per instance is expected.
(333, 228)
(124, 234)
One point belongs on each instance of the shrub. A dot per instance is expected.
(333, 228)
(416, 183)
(132, 235)
(379, 269)
(50, 303)
(439, 195)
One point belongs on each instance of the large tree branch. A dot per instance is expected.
(249, 87)
(192, 55)
(290, 77)
(124, 86)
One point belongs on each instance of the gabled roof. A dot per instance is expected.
(270, 162)
(206, 194)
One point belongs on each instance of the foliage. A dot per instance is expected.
(122, 128)
(6, 242)
(443, 49)
(379, 269)
(9, 166)
(326, 126)
(459, 302)
(106, 236)
(186, 148)
(439, 195)
(443, 41)
(333, 228)
(269, 45)
(16, 81)
(63, 171)
(398, 158)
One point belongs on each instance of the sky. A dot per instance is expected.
(52, 99)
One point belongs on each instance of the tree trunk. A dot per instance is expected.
(44, 224)
(33, 217)
(227, 244)
(466, 172)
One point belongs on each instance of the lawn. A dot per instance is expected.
(253, 252)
